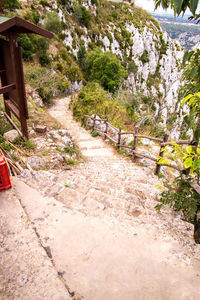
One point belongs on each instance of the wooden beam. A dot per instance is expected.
(111, 138)
(13, 108)
(141, 155)
(13, 124)
(149, 137)
(7, 88)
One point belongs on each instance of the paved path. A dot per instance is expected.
(97, 226)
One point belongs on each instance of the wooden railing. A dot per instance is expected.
(132, 149)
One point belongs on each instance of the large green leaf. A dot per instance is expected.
(189, 149)
(188, 162)
(178, 5)
(186, 99)
(187, 56)
(196, 163)
(193, 72)
(193, 5)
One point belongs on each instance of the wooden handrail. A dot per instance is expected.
(149, 137)
(163, 142)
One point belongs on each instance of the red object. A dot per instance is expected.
(4, 175)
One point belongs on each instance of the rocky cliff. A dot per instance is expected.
(151, 57)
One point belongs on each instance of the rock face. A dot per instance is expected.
(11, 135)
(150, 55)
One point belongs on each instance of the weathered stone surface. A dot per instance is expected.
(98, 221)
(25, 270)
(11, 135)
(35, 162)
(40, 128)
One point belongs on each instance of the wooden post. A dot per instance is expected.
(94, 122)
(119, 137)
(158, 166)
(135, 140)
(106, 130)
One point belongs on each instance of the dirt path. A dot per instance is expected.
(98, 222)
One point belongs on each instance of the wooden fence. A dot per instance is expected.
(133, 149)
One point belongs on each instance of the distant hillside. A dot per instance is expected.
(181, 29)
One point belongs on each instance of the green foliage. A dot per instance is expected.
(70, 150)
(121, 151)
(32, 44)
(81, 14)
(188, 157)
(5, 145)
(94, 99)
(64, 63)
(179, 6)
(52, 23)
(181, 197)
(28, 47)
(95, 133)
(81, 54)
(63, 2)
(44, 60)
(35, 17)
(193, 119)
(132, 67)
(105, 68)
(10, 4)
(28, 145)
(70, 161)
(46, 82)
(45, 3)
(144, 58)
(191, 75)
(4, 125)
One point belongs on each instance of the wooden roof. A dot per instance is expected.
(19, 25)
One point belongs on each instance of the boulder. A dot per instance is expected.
(11, 135)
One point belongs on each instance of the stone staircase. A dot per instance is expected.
(108, 184)
(98, 225)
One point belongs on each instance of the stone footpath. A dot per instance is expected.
(97, 226)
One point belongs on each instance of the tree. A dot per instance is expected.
(180, 6)
(105, 68)
(9, 4)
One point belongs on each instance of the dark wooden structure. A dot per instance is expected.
(11, 68)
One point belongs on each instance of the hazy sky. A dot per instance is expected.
(149, 6)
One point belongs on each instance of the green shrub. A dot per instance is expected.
(4, 125)
(52, 23)
(144, 58)
(81, 15)
(46, 82)
(11, 4)
(35, 17)
(69, 149)
(45, 3)
(94, 99)
(95, 133)
(181, 197)
(32, 44)
(28, 47)
(67, 66)
(44, 59)
(105, 68)
(81, 54)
